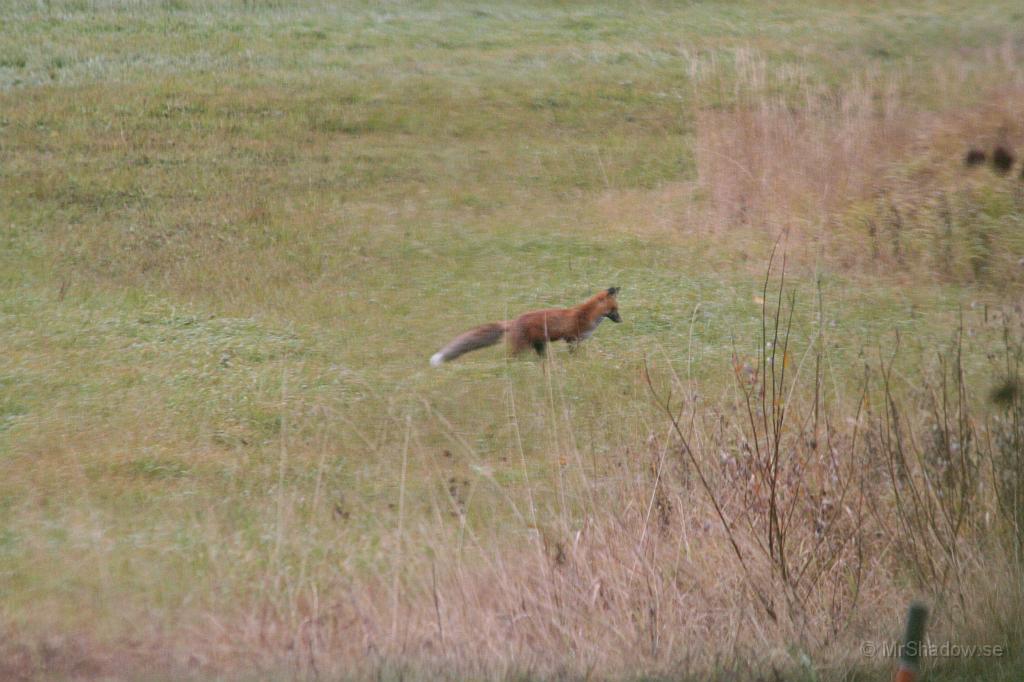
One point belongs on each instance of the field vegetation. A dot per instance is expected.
(233, 233)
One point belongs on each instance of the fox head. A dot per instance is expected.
(610, 306)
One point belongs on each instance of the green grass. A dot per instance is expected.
(232, 234)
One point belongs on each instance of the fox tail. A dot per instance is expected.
(478, 337)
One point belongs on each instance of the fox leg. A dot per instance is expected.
(539, 346)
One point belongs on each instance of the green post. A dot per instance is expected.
(913, 638)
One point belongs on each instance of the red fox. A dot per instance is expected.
(536, 328)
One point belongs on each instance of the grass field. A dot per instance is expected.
(233, 233)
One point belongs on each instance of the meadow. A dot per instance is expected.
(233, 233)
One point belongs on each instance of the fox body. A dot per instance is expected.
(535, 329)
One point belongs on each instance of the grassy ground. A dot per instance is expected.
(233, 233)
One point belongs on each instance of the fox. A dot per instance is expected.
(537, 328)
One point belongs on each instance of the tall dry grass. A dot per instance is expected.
(869, 172)
(798, 154)
(775, 530)
(794, 520)
(770, 532)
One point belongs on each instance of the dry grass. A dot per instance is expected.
(797, 158)
(780, 528)
(861, 174)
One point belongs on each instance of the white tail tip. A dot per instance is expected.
(437, 359)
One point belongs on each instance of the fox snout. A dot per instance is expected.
(614, 316)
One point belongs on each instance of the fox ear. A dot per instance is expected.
(613, 290)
